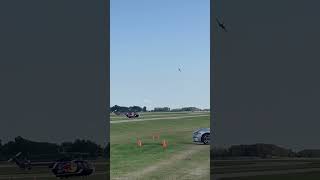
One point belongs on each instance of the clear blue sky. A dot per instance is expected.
(150, 40)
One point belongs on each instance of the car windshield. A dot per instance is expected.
(203, 129)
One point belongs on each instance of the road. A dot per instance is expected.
(152, 119)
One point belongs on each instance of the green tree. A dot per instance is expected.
(114, 108)
(135, 108)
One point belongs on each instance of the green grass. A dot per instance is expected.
(231, 167)
(38, 172)
(295, 176)
(91, 177)
(225, 167)
(127, 157)
(199, 160)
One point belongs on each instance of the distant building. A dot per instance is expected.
(176, 110)
(190, 109)
(161, 109)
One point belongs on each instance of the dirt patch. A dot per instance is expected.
(173, 159)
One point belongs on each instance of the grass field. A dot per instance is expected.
(277, 169)
(293, 176)
(182, 158)
(146, 115)
(9, 171)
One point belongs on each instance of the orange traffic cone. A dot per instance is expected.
(164, 144)
(139, 143)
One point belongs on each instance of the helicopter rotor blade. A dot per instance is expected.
(18, 154)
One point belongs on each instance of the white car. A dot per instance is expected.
(202, 135)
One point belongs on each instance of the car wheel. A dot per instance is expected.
(205, 138)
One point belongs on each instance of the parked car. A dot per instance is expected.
(202, 135)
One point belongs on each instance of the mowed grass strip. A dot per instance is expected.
(195, 167)
(126, 132)
(127, 157)
(17, 171)
(158, 115)
(237, 169)
(293, 176)
(101, 168)
(41, 177)
(165, 113)
(43, 173)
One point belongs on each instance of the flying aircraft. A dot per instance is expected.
(62, 168)
(221, 25)
(179, 69)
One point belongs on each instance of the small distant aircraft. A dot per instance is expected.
(221, 25)
(179, 69)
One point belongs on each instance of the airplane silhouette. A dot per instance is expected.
(221, 25)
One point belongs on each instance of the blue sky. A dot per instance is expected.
(149, 41)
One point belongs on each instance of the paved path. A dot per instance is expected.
(152, 119)
(159, 115)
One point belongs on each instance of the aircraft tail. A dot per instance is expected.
(17, 161)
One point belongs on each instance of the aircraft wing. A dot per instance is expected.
(218, 21)
(225, 29)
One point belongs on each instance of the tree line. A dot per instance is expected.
(51, 151)
(261, 151)
(117, 108)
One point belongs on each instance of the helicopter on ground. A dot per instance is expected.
(62, 168)
(132, 114)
